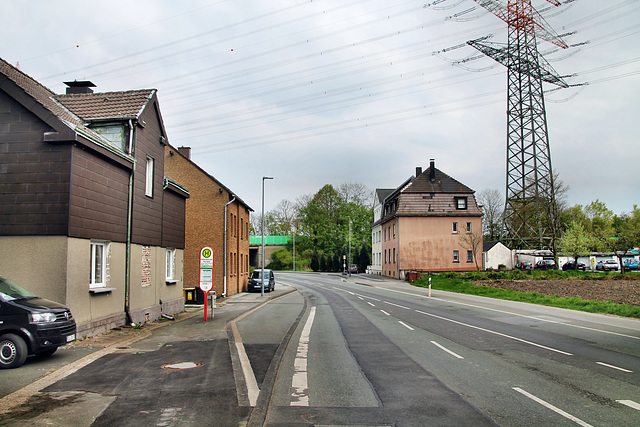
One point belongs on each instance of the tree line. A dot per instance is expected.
(578, 230)
(326, 226)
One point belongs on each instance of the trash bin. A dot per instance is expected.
(199, 296)
(413, 275)
(189, 295)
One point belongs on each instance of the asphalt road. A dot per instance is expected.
(329, 350)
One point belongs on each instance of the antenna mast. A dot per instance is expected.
(530, 208)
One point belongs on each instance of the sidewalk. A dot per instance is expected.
(22, 383)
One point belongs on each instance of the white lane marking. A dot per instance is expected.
(510, 312)
(630, 403)
(371, 304)
(447, 350)
(614, 367)
(385, 312)
(396, 305)
(553, 408)
(496, 333)
(250, 379)
(405, 325)
(300, 380)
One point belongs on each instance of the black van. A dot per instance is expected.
(30, 325)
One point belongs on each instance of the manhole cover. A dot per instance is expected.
(182, 365)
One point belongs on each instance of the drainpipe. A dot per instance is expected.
(127, 262)
(224, 293)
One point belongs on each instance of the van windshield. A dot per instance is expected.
(10, 290)
(257, 274)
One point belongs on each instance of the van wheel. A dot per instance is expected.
(13, 351)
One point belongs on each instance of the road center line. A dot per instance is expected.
(405, 325)
(384, 312)
(447, 350)
(553, 408)
(614, 367)
(496, 333)
(509, 312)
(396, 305)
(630, 403)
(371, 304)
(299, 382)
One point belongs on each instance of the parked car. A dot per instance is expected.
(571, 265)
(256, 282)
(524, 265)
(607, 265)
(545, 264)
(30, 325)
(631, 264)
(353, 268)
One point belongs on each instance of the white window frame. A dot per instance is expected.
(468, 227)
(170, 270)
(456, 256)
(148, 189)
(455, 227)
(469, 256)
(98, 277)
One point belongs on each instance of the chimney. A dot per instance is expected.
(432, 170)
(79, 87)
(418, 171)
(185, 151)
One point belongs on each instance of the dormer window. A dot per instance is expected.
(115, 134)
(461, 203)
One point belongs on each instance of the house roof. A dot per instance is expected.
(382, 193)
(107, 105)
(442, 183)
(41, 95)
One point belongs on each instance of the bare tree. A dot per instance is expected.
(472, 240)
(356, 192)
(492, 206)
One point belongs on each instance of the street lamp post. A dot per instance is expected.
(262, 230)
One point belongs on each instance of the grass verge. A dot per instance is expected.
(463, 283)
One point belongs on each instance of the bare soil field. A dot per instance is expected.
(625, 291)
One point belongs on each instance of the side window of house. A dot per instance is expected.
(469, 256)
(98, 264)
(468, 227)
(394, 231)
(148, 191)
(456, 256)
(455, 227)
(171, 263)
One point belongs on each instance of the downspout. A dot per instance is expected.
(224, 293)
(127, 262)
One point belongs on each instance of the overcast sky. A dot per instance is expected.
(315, 92)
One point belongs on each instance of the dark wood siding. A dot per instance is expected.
(34, 175)
(147, 212)
(99, 198)
(173, 220)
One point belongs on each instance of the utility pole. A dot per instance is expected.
(529, 214)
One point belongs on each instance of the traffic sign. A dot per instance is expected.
(207, 257)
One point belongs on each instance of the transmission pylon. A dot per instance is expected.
(530, 209)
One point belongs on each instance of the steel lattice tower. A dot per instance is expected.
(529, 215)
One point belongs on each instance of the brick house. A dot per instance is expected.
(422, 223)
(213, 212)
(88, 217)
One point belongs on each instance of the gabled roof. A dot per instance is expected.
(108, 105)
(382, 193)
(442, 183)
(40, 94)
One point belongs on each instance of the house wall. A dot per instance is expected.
(376, 249)
(204, 226)
(98, 197)
(427, 244)
(147, 212)
(34, 184)
(499, 254)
